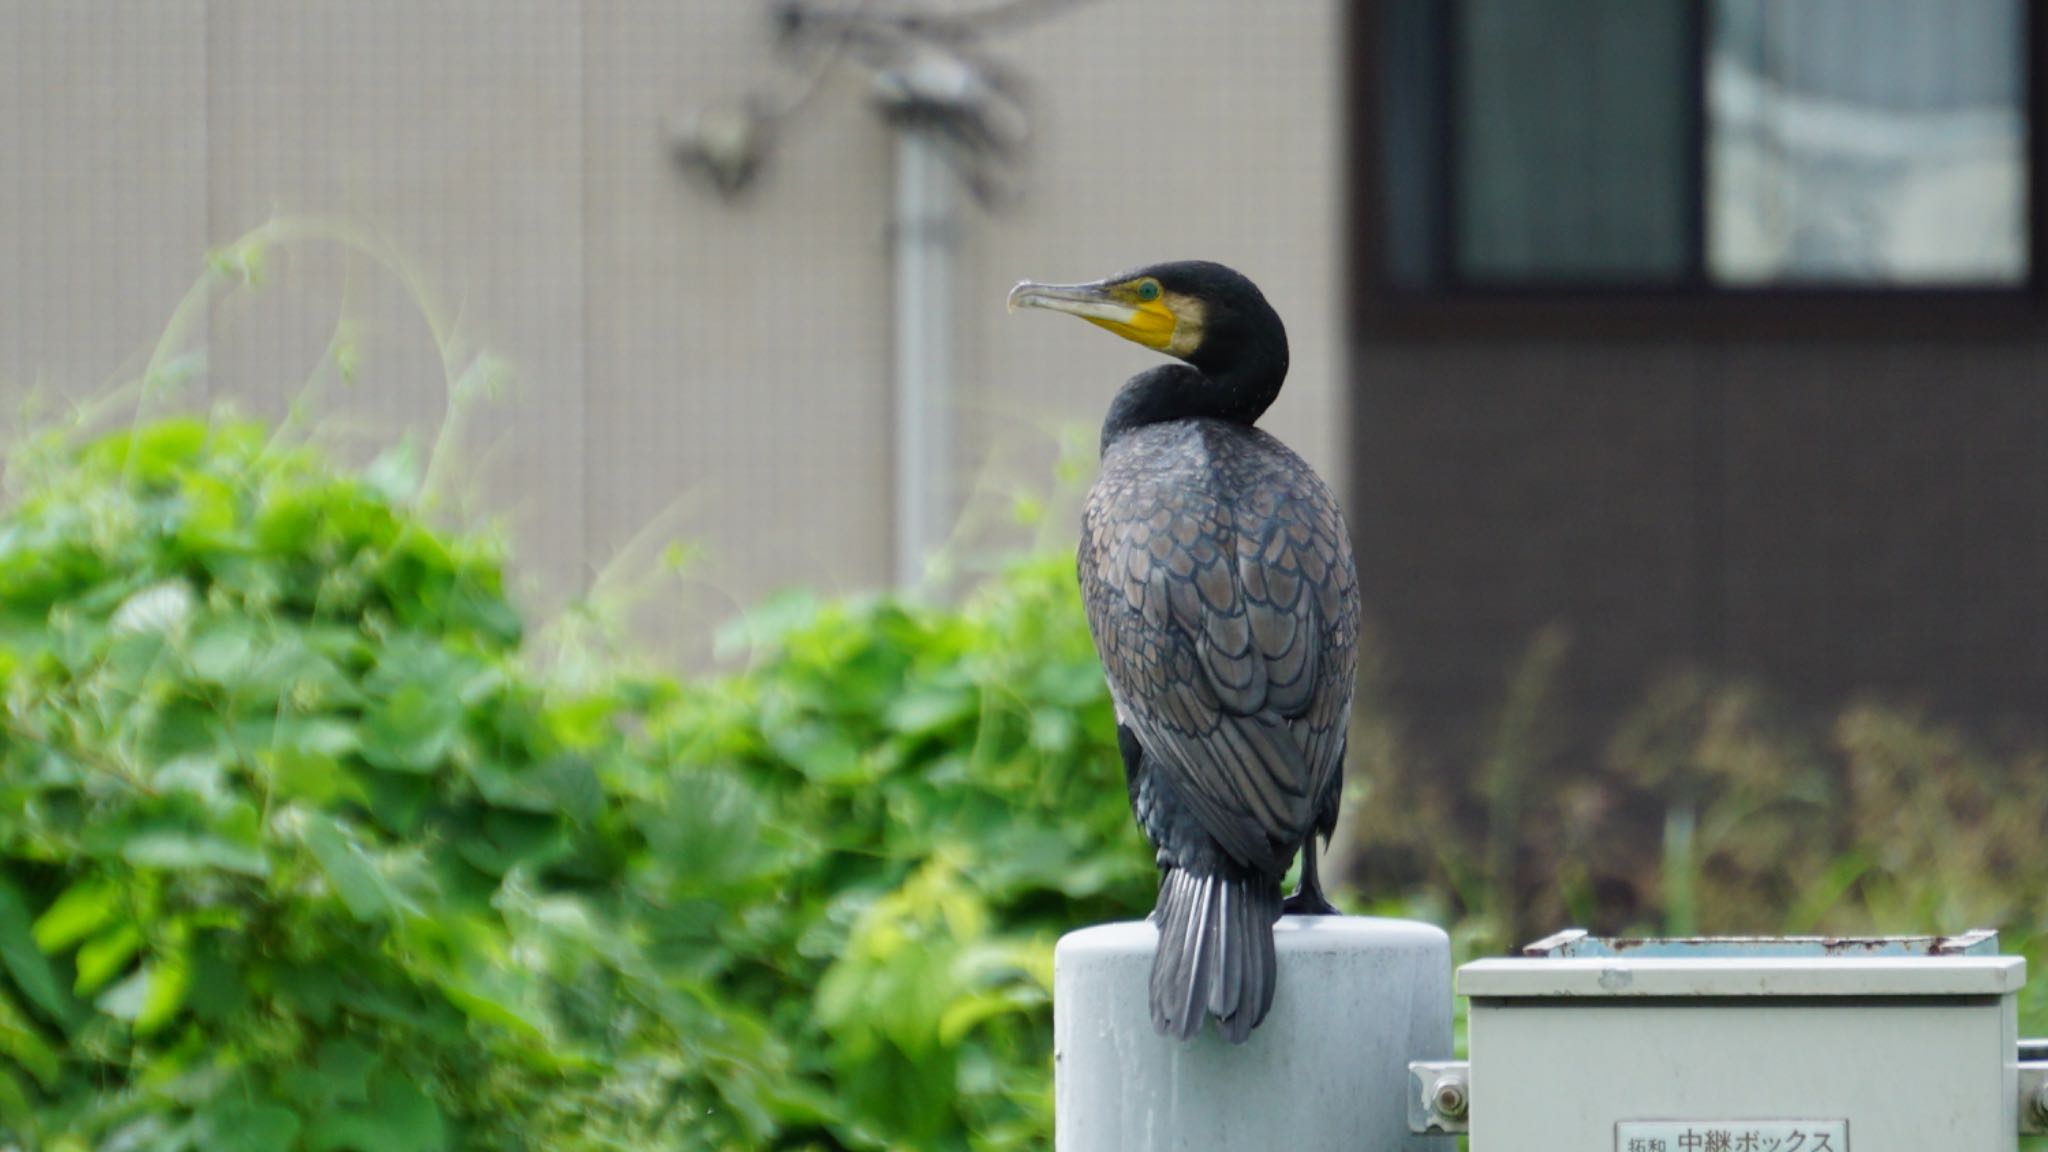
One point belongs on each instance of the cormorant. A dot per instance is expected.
(1222, 596)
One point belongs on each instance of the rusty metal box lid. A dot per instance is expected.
(1573, 964)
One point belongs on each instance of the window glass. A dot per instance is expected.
(1698, 145)
(1878, 142)
(1574, 155)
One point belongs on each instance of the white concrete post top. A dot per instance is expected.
(1327, 1071)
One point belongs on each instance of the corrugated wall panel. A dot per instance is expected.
(739, 389)
(102, 188)
(450, 134)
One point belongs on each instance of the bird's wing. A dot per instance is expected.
(1214, 619)
(1301, 595)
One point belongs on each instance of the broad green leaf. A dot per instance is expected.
(160, 609)
(798, 1102)
(823, 754)
(708, 829)
(966, 1013)
(182, 850)
(322, 737)
(224, 653)
(219, 985)
(513, 839)
(208, 513)
(17, 1113)
(398, 1117)
(490, 991)
(20, 1043)
(576, 788)
(361, 887)
(202, 776)
(930, 710)
(317, 780)
(237, 1125)
(104, 957)
(399, 802)
(413, 729)
(344, 1067)
(1054, 730)
(26, 962)
(507, 789)
(82, 910)
(315, 991)
(290, 670)
(170, 977)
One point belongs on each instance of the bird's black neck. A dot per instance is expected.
(1237, 390)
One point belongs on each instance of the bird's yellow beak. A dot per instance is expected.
(1120, 306)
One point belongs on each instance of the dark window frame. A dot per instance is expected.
(1698, 310)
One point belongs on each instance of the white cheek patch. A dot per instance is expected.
(1187, 333)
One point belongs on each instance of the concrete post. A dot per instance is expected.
(1326, 1072)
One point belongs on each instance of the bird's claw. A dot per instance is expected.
(1308, 902)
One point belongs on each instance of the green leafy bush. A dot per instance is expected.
(293, 854)
(297, 853)
(910, 805)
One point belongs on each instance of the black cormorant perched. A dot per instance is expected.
(1221, 592)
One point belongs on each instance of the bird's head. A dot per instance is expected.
(1207, 315)
(1195, 310)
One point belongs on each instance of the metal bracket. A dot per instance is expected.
(2033, 1096)
(1439, 1096)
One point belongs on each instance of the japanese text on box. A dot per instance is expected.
(1731, 1136)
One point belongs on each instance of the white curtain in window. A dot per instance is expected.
(1866, 142)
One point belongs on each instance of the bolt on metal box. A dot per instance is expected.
(1890, 1044)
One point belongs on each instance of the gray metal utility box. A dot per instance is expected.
(1896, 1044)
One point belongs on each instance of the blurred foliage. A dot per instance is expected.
(1710, 810)
(913, 803)
(296, 852)
(295, 855)
(300, 851)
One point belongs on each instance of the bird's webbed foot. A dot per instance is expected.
(1308, 900)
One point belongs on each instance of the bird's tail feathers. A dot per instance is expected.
(1215, 953)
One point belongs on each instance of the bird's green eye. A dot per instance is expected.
(1148, 291)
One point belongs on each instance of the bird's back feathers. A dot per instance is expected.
(1221, 593)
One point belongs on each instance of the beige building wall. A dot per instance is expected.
(460, 177)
